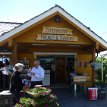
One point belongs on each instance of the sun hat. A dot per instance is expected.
(18, 65)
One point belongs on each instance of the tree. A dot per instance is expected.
(99, 71)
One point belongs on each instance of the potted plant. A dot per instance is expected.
(38, 97)
(25, 102)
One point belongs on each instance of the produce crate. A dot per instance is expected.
(6, 99)
(102, 93)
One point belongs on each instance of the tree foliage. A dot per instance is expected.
(99, 71)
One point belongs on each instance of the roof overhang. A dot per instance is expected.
(56, 9)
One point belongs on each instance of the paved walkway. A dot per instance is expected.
(66, 99)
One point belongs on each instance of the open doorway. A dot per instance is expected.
(57, 68)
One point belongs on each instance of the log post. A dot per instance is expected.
(93, 70)
(14, 51)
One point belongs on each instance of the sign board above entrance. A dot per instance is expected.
(55, 30)
(56, 34)
(56, 37)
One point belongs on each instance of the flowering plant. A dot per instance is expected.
(37, 91)
(25, 102)
(47, 100)
(44, 98)
(18, 105)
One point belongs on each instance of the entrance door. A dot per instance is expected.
(60, 69)
(70, 67)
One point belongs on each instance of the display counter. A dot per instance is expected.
(79, 80)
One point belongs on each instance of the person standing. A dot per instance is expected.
(16, 83)
(1, 76)
(36, 74)
(6, 74)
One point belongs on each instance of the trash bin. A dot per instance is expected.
(101, 93)
(92, 93)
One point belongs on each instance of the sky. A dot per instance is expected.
(92, 13)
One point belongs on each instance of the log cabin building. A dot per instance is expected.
(56, 37)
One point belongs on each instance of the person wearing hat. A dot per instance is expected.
(16, 84)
